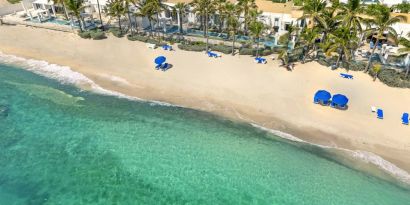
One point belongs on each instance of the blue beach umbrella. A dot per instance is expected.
(339, 100)
(322, 95)
(160, 60)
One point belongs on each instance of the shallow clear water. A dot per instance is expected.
(60, 145)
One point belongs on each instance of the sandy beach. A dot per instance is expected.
(234, 87)
(4, 3)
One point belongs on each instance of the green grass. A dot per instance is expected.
(13, 1)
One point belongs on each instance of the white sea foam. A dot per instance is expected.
(65, 75)
(367, 157)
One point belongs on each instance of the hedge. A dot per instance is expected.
(394, 78)
(98, 35)
(85, 34)
(252, 52)
(222, 48)
(188, 47)
(137, 38)
(116, 32)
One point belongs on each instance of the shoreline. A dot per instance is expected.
(230, 105)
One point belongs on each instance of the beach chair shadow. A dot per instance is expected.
(166, 66)
(341, 108)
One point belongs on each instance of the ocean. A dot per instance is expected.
(60, 144)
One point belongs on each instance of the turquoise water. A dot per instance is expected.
(61, 145)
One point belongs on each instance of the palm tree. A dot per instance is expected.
(75, 7)
(382, 22)
(313, 9)
(204, 8)
(220, 8)
(62, 2)
(351, 15)
(246, 6)
(116, 9)
(256, 28)
(127, 8)
(342, 41)
(182, 10)
(331, 20)
(232, 16)
(146, 11)
(308, 38)
(99, 14)
(406, 49)
(156, 7)
(284, 57)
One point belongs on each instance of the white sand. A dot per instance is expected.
(4, 3)
(234, 86)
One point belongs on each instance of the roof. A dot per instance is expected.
(45, 2)
(269, 6)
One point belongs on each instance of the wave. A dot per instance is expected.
(363, 156)
(65, 75)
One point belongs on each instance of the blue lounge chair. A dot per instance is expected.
(344, 75)
(213, 55)
(167, 47)
(405, 118)
(380, 114)
(260, 60)
(164, 67)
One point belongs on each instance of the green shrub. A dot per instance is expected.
(222, 48)
(246, 51)
(324, 62)
(394, 78)
(356, 65)
(252, 52)
(197, 43)
(188, 47)
(13, 1)
(283, 39)
(278, 49)
(85, 34)
(116, 32)
(98, 35)
(137, 38)
(266, 52)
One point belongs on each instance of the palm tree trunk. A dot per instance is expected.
(99, 14)
(157, 26)
(79, 23)
(305, 55)
(371, 55)
(257, 47)
(180, 23)
(206, 31)
(136, 23)
(129, 17)
(65, 10)
(233, 44)
(119, 23)
(203, 24)
(408, 68)
(220, 24)
(338, 59)
(150, 27)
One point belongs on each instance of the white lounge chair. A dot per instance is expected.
(151, 45)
